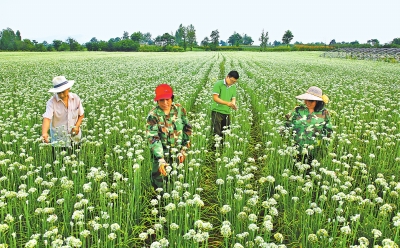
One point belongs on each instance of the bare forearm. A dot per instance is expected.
(79, 121)
(45, 125)
(219, 100)
(45, 129)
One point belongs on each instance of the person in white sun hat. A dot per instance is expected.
(310, 123)
(63, 116)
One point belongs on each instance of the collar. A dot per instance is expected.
(70, 96)
(227, 86)
(173, 108)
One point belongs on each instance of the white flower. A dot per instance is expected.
(376, 233)
(238, 245)
(85, 233)
(31, 243)
(312, 238)
(164, 242)
(115, 227)
(174, 226)
(278, 237)
(143, 236)
(155, 244)
(112, 236)
(363, 241)
(225, 209)
(345, 230)
(226, 230)
(253, 227)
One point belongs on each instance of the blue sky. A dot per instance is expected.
(309, 20)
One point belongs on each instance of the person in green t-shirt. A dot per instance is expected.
(224, 100)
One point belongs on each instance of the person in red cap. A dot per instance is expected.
(168, 131)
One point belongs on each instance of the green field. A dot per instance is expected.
(247, 194)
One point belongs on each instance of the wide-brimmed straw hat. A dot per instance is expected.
(60, 83)
(313, 93)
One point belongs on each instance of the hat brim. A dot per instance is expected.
(307, 96)
(163, 96)
(62, 88)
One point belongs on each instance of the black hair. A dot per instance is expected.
(233, 74)
(319, 106)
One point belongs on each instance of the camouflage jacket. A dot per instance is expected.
(167, 131)
(309, 128)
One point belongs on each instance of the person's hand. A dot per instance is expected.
(232, 105)
(161, 166)
(74, 131)
(45, 138)
(182, 156)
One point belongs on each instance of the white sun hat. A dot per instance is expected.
(60, 83)
(313, 93)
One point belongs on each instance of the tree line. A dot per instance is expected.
(184, 39)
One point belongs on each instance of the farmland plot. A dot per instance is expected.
(248, 193)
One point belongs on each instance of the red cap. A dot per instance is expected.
(163, 91)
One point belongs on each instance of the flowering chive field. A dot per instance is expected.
(248, 193)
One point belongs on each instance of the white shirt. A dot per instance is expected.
(63, 119)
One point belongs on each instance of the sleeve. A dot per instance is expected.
(152, 134)
(80, 107)
(187, 129)
(290, 118)
(217, 89)
(49, 109)
(234, 93)
(328, 129)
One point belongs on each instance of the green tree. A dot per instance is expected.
(147, 39)
(191, 36)
(165, 40)
(214, 39)
(125, 35)
(373, 42)
(263, 40)
(126, 45)
(18, 35)
(205, 42)
(247, 40)
(396, 41)
(73, 44)
(25, 45)
(92, 45)
(355, 43)
(168, 39)
(181, 37)
(235, 39)
(276, 43)
(137, 37)
(287, 37)
(57, 44)
(7, 40)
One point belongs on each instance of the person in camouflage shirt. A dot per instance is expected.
(168, 132)
(310, 123)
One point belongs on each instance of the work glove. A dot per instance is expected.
(182, 156)
(162, 166)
